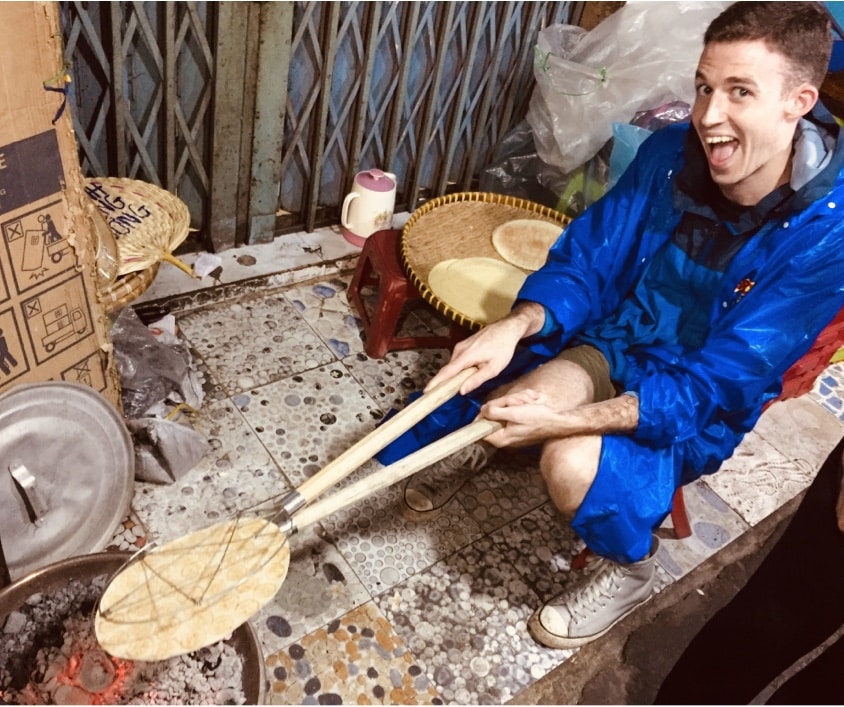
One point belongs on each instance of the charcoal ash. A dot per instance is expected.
(49, 655)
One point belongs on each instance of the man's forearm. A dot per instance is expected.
(619, 415)
(531, 315)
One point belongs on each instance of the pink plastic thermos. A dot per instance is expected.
(368, 207)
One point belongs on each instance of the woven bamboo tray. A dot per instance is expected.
(148, 222)
(460, 226)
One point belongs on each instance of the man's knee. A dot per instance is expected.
(558, 374)
(569, 467)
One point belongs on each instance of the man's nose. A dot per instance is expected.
(713, 110)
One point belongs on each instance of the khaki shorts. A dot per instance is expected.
(595, 364)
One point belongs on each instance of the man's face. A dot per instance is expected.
(744, 118)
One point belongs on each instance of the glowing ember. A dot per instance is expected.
(96, 674)
(50, 655)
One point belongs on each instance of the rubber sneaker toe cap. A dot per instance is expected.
(418, 501)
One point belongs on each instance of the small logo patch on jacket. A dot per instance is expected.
(745, 285)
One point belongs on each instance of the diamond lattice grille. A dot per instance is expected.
(423, 89)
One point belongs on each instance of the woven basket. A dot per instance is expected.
(460, 226)
(148, 222)
(127, 288)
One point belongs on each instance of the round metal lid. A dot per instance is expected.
(67, 470)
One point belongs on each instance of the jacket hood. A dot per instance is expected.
(818, 156)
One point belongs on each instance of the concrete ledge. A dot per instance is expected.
(628, 665)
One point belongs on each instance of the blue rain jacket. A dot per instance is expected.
(698, 310)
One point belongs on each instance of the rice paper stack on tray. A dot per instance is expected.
(468, 253)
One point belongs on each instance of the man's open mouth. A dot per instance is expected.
(721, 148)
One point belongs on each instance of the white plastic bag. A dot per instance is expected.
(643, 55)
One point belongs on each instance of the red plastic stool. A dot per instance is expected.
(379, 266)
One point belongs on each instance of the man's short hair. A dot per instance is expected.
(800, 31)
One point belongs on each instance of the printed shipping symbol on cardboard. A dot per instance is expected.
(57, 319)
(88, 371)
(37, 245)
(12, 358)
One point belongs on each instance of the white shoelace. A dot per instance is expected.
(597, 592)
(476, 456)
(469, 458)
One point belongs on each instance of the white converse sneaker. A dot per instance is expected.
(593, 606)
(428, 492)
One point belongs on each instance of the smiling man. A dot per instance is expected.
(749, 102)
(666, 315)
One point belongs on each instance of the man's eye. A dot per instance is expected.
(740, 92)
(703, 90)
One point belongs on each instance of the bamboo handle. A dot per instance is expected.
(395, 472)
(380, 437)
(173, 260)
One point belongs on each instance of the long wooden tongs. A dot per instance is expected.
(390, 475)
(338, 469)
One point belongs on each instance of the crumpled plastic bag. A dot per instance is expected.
(165, 450)
(156, 375)
(642, 56)
(516, 169)
(151, 369)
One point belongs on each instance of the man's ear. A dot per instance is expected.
(802, 100)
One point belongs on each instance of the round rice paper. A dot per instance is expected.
(481, 289)
(525, 242)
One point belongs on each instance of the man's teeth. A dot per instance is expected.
(716, 140)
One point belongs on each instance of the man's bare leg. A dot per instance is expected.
(597, 601)
(569, 465)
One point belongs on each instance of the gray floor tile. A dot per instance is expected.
(254, 341)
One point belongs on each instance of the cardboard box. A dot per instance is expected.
(52, 326)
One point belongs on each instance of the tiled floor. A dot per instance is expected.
(377, 610)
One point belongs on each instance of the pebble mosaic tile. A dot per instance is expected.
(324, 307)
(320, 586)
(254, 341)
(390, 380)
(546, 565)
(308, 420)
(237, 473)
(386, 549)
(506, 489)
(376, 609)
(357, 659)
(465, 619)
(129, 536)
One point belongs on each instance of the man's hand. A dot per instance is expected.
(530, 417)
(491, 349)
(527, 418)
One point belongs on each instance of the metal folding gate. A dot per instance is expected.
(259, 114)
